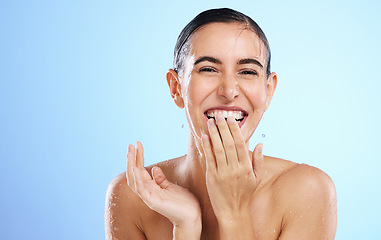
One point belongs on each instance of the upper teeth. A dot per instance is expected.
(238, 115)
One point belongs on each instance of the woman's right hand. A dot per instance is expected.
(177, 204)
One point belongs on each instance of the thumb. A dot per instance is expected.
(160, 178)
(258, 160)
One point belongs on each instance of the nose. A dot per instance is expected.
(228, 88)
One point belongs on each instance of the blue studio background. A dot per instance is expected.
(80, 80)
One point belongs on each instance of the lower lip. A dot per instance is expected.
(239, 123)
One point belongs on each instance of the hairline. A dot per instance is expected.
(188, 43)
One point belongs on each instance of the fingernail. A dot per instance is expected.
(204, 138)
(219, 118)
(211, 122)
(231, 120)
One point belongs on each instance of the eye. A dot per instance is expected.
(249, 72)
(207, 69)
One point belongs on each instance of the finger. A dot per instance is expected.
(139, 184)
(227, 140)
(209, 157)
(217, 147)
(258, 160)
(160, 177)
(139, 155)
(240, 145)
(131, 163)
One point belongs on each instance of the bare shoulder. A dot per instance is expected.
(305, 182)
(126, 215)
(288, 177)
(120, 195)
(122, 210)
(170, 168)
(308, 199)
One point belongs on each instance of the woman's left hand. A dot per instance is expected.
(231, 176)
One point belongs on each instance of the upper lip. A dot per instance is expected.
(227, 108)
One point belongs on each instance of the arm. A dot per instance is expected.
(231, 176)
(121, 212)
(170, 200)
(310, 210)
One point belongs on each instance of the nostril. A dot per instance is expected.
(229, 92)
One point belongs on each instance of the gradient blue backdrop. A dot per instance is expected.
(80, 80)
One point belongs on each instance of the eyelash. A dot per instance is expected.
(245, 72)
(249, 72)
(207, 69)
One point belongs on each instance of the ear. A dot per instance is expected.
(175, 87)
(272, 81)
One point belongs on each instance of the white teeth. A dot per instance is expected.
(238, 115)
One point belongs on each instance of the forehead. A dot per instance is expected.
(227, 41)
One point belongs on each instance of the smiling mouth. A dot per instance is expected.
(237, 114)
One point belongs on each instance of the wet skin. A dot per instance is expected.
(222, 190)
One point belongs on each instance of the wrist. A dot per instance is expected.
(189, 230)
(236, 224)
(237, 216)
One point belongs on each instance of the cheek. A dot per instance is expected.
(256, 96)
(197, 91)
(190, 96)
(193, 97)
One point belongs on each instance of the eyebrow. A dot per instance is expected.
(250, 60)
(209, 59)
(215, 60)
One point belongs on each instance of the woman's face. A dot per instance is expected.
(225, 72)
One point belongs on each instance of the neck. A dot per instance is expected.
(194, 168)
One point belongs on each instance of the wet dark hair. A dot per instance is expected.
(223, 15)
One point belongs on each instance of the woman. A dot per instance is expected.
(219, 189)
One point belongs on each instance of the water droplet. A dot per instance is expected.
(182, 125)
(263, 135)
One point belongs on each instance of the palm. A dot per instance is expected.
(170, 200)
(174, 202)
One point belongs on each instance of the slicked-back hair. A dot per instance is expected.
(220, 15)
